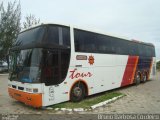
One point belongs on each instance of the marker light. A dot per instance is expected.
(29, 89)
(9, 85)
(35, 90)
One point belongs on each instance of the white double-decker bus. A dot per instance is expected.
(53, 63)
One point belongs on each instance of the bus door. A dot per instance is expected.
(56, 63)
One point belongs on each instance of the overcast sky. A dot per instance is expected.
(135, 19)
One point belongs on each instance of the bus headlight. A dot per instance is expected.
(9, 85)
(29, 89)
(35, 90)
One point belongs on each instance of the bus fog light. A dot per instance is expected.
(35, 90)
(28, 89)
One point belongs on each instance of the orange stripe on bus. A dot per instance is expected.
(129, 70)
(31, 99)
(134, 70)
(150, 68)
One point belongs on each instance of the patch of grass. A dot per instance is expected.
(89, 101)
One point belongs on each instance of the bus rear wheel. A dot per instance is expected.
(144, 78)
(137, 78)
(78, 92)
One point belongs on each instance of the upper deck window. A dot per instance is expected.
(58, 35)
(30, 36)
(91, 42)
(45, 34)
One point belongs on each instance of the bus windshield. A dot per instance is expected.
(25, 65)
(30, 36)
(41, 55)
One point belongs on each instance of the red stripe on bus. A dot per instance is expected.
(134, 70)
(130, 70)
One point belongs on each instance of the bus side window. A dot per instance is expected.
(142, 50)
(133, 49)
(66, 36)
(53, 35)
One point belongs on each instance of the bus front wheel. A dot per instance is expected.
(77, 92)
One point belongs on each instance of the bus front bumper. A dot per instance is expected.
(31, 99)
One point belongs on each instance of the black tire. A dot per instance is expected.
(77, 92)
(137, 79)
(144, 78)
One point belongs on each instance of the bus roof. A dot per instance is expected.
(91, 30)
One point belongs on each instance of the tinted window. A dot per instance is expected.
(53, 36)
(133, 49)
(150, 51)
(25, 65)
(50, 70)
(30, 36)
(59, 35)
(153, 51)
(65, 60)
(55, 66)
(66, 36)
(84, 41)
(120, 46)
(97, 43)
(92, 42)
(141, 50)
(104, 44)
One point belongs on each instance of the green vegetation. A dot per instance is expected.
(10, 26)
(88, 102)
(158, 65)
(4, 72)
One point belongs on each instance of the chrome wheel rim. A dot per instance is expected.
(138, 78)
(77, 91)
(145, 78)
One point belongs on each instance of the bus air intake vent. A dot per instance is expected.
(14, 86)
(20, 88)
